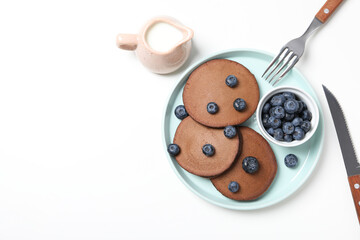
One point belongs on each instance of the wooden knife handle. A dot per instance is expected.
(328, 9)
(354, 182)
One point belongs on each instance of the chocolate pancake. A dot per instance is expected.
(253, 185)
(207, 84)
(192, 136)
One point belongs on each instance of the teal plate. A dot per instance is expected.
(287, 180)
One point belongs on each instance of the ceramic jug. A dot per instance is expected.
(163, 44)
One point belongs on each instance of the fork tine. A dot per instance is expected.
(274, 60)
(281, 61)
(287, 69)
(283, 66)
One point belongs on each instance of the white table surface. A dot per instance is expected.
(81, 154)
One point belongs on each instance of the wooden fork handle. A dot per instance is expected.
(354, 182)
(328, 9)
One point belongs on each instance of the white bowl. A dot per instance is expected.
(303, 96)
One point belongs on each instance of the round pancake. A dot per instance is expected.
(207, 84)
(254, 185)
(192, 136)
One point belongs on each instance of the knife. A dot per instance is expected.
(347, 149)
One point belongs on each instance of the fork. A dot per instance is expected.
(292, 51)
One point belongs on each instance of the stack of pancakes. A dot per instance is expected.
(207, 84)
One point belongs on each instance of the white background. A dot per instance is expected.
(81, 154)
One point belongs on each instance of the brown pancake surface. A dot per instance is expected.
(207, 84)
(192, 136)
(254, 185)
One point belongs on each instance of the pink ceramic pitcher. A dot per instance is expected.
(161, 62)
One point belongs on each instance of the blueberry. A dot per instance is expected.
(233, 187)
(239, 104)
(305, 106)
(277, 100)
(279, 112)
(291, 160)
(306, 126)
(270, 131)
(266, 108)
(212, 108)
(208, 150)
(278, 134)
(180, 112)
(231, 81)
(288, 95)
(301, 106)
(265, 120)
(288, 128)
(297, 121)
(288, 138)
(230, 131)
(298, 134)
(291, 106)
(173, 149)
(272, 112)
(306, 115)
(289, 116)
(250, 165)
(274, 122)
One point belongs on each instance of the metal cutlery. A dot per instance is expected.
(347, 149)
(292, 51)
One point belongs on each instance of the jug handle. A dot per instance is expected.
(127, 41)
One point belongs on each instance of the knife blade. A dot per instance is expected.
(347, 149)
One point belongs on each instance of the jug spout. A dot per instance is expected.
(127, 41)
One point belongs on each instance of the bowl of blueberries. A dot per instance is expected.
(287, 116)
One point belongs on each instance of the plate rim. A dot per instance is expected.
(250, 207)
